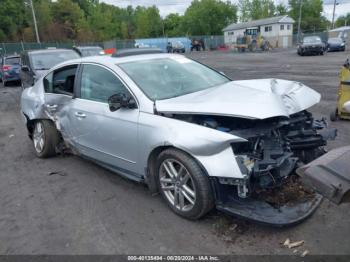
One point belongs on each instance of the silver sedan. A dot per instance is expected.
(184, 129)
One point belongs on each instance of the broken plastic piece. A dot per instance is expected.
(329, 175)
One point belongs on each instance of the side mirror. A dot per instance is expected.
(121, 100)
(25, 68)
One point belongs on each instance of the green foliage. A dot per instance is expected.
(12, 18)
(258, 9)
(208, 17)
(311, 15)
(343, 20)
(148, 22)
(281, 9)
(94, 20)
(173, 25)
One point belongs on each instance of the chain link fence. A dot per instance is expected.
(210, 43)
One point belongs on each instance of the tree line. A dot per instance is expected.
(93, 20)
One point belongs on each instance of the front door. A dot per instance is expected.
(109, 137)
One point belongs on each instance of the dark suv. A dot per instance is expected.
(36, 63)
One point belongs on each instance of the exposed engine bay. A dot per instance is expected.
(275, 147)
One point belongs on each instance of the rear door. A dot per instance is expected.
(59, 88)
(109, 137)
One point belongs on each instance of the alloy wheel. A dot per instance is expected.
(177, 185)
(39, 137)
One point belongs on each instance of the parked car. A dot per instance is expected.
(35, 63)
(178, 47)
(311, 45)
(335, 44)
(201, 139)
(9, 69)
(88, 50)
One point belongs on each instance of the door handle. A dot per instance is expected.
(80, 115)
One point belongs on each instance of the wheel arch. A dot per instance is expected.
(152, 162)
(30, 124)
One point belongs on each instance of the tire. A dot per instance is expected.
(50, 138)
(334, 115)
(191, 185)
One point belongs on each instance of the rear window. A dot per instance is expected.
(12, 60)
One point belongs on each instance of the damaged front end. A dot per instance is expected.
(270, 192)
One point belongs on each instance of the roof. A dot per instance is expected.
(339, 29)
(35, 51)
(108, 60)
(266, 21)
(11, 56)
(137, 51)
(88, 47)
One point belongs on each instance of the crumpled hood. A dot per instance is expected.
(255, 99)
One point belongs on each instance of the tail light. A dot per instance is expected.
(6, 68)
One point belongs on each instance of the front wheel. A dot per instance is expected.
(45, 138)
(183, 184)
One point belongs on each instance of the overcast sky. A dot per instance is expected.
(179, 6)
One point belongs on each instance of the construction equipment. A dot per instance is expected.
(342, 110)
(252, 42)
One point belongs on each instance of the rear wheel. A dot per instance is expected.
(183, 184)
(45, 138)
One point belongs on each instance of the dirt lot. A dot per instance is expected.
(86, 209)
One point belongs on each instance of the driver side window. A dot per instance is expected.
(98, 84)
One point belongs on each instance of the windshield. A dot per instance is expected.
(312, 39)
(12, 61)
(44, 61)
(335, 40)
(91, 51)
(171, 77)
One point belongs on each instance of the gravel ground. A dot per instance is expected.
(88, 210)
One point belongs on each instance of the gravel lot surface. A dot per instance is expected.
(86, 209)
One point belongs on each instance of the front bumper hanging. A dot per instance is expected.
(328, 176)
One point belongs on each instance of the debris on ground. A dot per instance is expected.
(60, 173)
(296, 244)
(290, 244)
(305, 253)
(290, 193)
(229, 229)
(12, 135)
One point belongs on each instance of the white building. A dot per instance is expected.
(277, 30)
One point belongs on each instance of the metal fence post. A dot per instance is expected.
(3, 44)
(22, 46)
